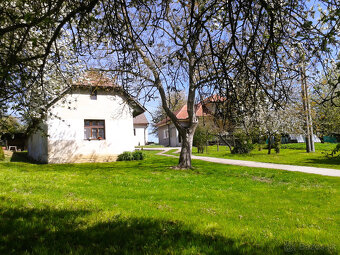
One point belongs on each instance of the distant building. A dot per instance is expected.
(167, 132)
(140, 130)
(294, 138)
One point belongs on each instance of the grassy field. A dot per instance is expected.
(147, 207)
(291, 154)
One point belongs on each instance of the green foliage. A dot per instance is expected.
(2, 154)
(277, 143)
(138, 155)
(201, 137)
(243, 144)
(129, 156)
(11, 125)
(125, 156)
(334, 152)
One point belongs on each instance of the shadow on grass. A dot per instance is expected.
(324, 161)
(49, 231)
(22, 156)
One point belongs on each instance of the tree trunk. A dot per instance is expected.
(185, 156)
(269, 144)
(226, 142)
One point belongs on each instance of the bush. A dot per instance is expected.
(2, 155)
(129, 156)
(138, 155)
(277, 143)
(334, 152)
(243, 144)
(201, 138)
(125, 156)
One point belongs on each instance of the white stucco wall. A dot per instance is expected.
(66, 141)
(173, 133)
(37, 145)
(141, 137)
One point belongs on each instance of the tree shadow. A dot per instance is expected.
(48, 231)
(22, 156)
(324, 161)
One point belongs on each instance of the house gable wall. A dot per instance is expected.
(66, 139)
(173, 133)
(141, 136)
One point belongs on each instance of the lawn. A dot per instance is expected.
(290, 154)
(146, 207)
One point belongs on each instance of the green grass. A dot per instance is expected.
(291, 154)
(146, 207)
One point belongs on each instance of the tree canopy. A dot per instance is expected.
(245, 51)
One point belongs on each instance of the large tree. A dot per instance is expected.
(235, 48)
(238, 49)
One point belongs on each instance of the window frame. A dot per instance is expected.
(91, 127)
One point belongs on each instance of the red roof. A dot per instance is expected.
(140, 119)
(182, 114)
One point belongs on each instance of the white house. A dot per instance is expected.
(92, 122)
(140, 130)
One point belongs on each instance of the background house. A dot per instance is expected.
(92, 122)
(167, 132)
(140, 130)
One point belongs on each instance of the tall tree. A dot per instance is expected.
(238, 49)
(235, 48)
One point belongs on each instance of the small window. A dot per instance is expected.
(179, 138)
(93, 94)
(94, 129)
(134, 132)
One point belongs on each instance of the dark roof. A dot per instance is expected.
(140, 119)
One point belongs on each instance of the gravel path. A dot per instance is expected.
(304, 169)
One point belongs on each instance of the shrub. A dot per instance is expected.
(129, 156)
(2, 155)
(334, 152)
(125, 156)
(138, 155)
(243, 144)
(201, 138)
(277, 143)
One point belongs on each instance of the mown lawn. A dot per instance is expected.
(291, 154)
(147, 207)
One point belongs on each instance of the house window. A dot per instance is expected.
(166, 134)
(179, 138)
(134, 132)
(94, 129)
(93, 94)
